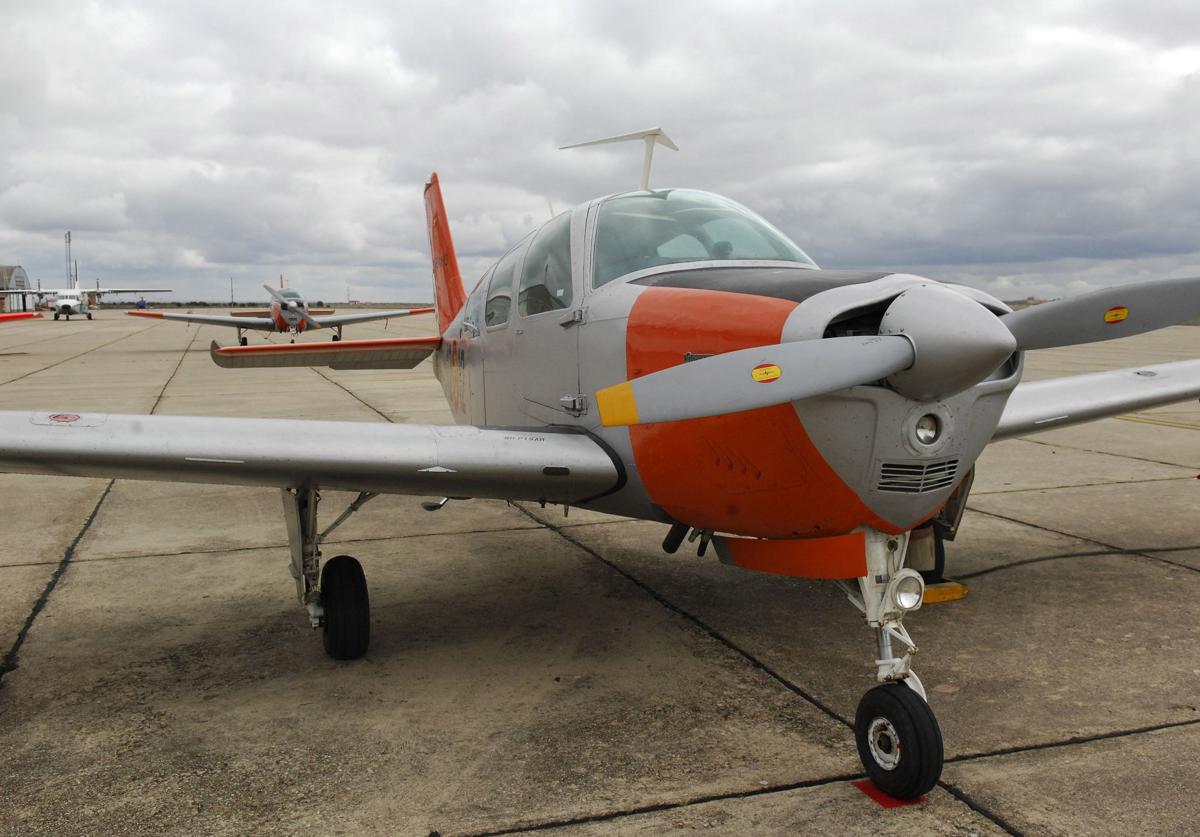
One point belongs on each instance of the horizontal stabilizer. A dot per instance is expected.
(393, 353)
(435, 460)
(1060, 402)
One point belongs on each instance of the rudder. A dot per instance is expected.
(449, 294)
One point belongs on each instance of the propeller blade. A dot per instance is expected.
(274, 293)
(753, 378)
(1106, 314)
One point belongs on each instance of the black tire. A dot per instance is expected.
(89, 316)
(56, 315)
(244, 341)
(347, 629)
(938, 574)
(336, 338)
(907, 738)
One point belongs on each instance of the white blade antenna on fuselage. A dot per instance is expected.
(651, 136)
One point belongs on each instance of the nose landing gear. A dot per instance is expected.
(898, 738)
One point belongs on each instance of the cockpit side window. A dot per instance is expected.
(640, 230)
(546, 279)
(474, 314)
(499, 297)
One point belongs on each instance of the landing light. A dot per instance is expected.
(906, 590)
(928, 429)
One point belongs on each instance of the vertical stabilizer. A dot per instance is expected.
(449, 295)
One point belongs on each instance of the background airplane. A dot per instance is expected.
(669, 355)
(67, 301)
(288, 314)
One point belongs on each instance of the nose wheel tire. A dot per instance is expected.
(346, 632)
(899, 741)
(56, 315)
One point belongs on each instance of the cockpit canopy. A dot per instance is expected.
(639, 230)
(288, 293)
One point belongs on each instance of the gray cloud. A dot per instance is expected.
(1024, 148)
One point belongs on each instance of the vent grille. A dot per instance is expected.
(917, 477)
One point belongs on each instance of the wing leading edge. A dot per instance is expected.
(1060, 402)
(437, 460)
(388, 353)
(243, 322)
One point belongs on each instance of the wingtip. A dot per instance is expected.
(157, 314)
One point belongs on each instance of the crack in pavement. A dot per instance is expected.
(73, 357)
(1112, 548)
(10, 662)
(1101, 452)
(1095, 553)
(999, 491)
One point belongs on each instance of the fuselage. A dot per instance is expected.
(631, 284)
(288, 313)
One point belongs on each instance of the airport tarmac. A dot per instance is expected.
(534, 672)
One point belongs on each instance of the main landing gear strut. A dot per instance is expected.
(898, 737)
(336, 595)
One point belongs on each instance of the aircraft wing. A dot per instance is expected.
(1059, 402)
(266, 312)
(344, 319)
(555, 465)
(261, 324)
(19, 315)
(125, 290)
(396, 353)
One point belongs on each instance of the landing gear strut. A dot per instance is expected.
(898, 738)
(242, 341)
(336, 596)
(337, 335)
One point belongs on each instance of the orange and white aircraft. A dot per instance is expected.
(667, 354)
(288, 314)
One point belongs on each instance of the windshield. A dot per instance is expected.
(638, 230)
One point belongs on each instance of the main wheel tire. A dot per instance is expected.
(899, 741)
(336, 338)
(347, 629)
(89, 316)
(244, 341)
(56, 315)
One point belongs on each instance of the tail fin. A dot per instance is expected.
(449, 294)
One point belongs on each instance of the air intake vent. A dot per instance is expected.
(917, 477)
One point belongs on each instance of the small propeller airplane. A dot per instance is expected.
(288, 314)
(65, 302)
(668, 355)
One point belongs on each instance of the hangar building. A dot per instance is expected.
(13, 277)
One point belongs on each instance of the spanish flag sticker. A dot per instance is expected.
(1116, 315)
(764, 373)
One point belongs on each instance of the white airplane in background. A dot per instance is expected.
(67, 301)
(288, 314)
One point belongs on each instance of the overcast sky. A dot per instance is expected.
(1025, 148)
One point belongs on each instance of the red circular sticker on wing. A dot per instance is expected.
(64, 418)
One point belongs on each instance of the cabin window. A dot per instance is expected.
(546, 279)
(640, 230)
